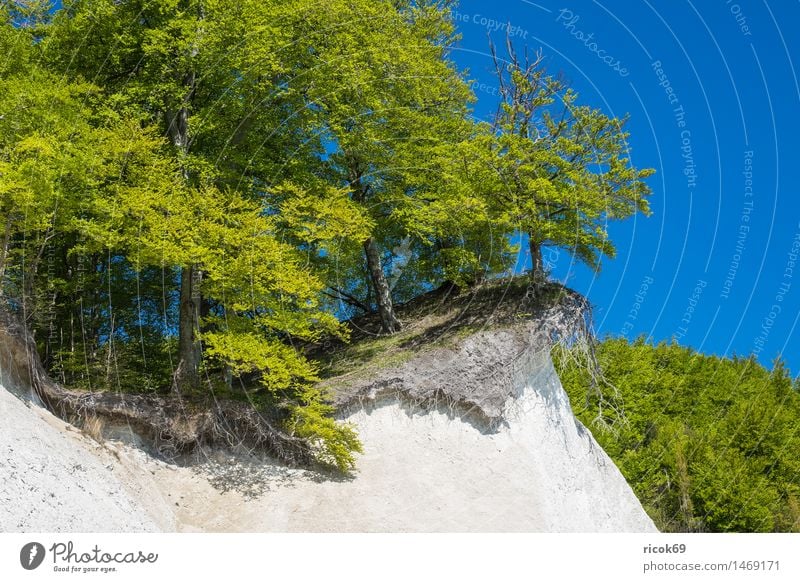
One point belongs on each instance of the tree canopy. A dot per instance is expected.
(708, 444)
(193, 191)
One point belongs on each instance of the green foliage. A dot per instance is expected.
(708, 444)
(218, 196)
(393, 109)
(209, 185)
(561, 171)
(334, 443)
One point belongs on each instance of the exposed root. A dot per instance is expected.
(550, 315)
(172, 425)
(93, 427)
(574, 340)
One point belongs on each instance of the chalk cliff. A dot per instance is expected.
(474, 433)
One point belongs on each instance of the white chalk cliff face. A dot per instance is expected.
(426, 467)
(53, 479)
(429, 470)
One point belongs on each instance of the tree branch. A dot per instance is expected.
(347, 298)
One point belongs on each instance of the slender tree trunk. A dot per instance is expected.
(538, 275)
(377, 278)
(4, 251)
(189, 348)
(383, 295)
(187, 376)
(30, 271)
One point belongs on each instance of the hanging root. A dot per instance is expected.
(174, 427)
(571, 329)
(170, 424)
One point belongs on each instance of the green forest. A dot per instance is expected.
(708, 444)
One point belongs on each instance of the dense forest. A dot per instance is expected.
(193, 190)
(708, 444)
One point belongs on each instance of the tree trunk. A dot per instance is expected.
(379, 284)
(187, 375)
(383, 295)
(538, 275)
(4, 249)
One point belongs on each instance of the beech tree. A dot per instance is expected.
(563, 170)
(213, 76)
(388, 104)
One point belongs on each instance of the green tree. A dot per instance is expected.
(389, 106)
(706, 443)
(212, 75)
(563, 170)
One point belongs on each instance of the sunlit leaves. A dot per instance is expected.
(708, 444)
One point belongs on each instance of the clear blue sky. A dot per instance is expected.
(712, 90)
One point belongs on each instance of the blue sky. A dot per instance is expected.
(712, 91)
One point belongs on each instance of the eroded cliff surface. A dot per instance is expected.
(471, 434)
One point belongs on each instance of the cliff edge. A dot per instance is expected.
(464, 423)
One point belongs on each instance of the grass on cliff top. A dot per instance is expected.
(436, 319)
